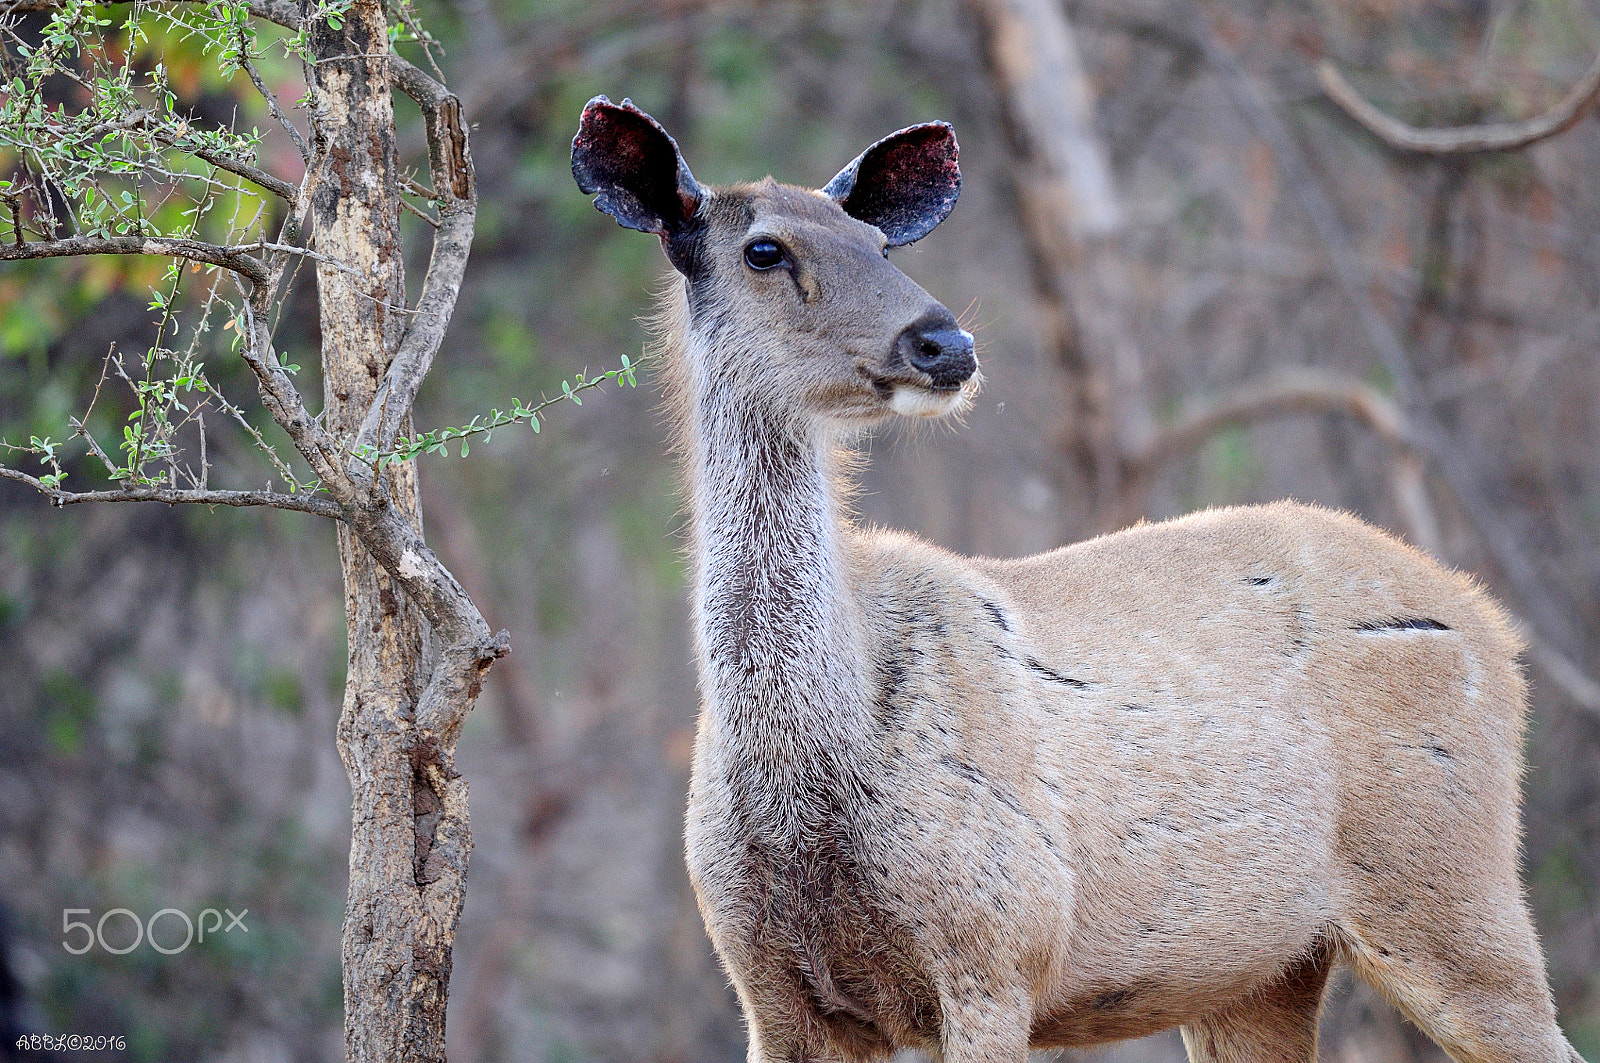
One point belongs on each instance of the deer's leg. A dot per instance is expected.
(1277, 1024)
(1473, 981)
(984, 1025)
(782, 1028)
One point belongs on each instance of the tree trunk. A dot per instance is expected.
(410, 833)
(1076, 233)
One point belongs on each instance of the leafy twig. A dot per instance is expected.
(435, 442)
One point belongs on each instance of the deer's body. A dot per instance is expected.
(1168, 777)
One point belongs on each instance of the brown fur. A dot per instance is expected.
(1167, 777)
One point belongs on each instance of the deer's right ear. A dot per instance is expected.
(905, 184)
(624, 155)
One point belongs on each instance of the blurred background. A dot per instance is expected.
(1194, 281)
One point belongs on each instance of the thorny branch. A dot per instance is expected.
(144, 120)
(443, 655)
(271, 98)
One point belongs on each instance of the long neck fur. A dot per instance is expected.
(778, 633)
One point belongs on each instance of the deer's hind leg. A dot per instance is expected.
(1475, 984)
(1276, 1024)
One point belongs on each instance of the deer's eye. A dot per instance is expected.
(763, 254)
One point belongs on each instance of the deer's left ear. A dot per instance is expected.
(905, 184)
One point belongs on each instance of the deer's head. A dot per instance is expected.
(792, 299)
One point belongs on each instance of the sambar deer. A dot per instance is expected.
(1167, 777)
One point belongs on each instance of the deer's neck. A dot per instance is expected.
(779, 635)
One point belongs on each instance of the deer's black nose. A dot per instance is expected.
(937, 346)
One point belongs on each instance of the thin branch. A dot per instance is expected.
(1298, 392)
(1496, 136)
(15, 203)
(1283, 393)
(303, 252)
(276, 185)
(424, 215)
(455, 189)
(271, 98)
(283, 402)
(143, 120)
(322, 507)
(195, 250)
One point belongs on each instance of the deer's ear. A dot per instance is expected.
(624, 155)
(905, 184)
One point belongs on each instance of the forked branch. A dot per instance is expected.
(455, 190)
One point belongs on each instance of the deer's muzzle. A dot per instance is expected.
(939, 348)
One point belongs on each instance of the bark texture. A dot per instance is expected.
(410, 832)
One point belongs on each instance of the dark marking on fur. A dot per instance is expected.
(1410, 623)
(1112, 999)
(1300, 626)
(1259, 581)
(818, 906)
(690, 254)
(997, 613)
(967, 771)
(892, 712)
(1052, 675)
(1432, 746)
(978, 777)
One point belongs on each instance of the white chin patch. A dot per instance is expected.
(910, 401)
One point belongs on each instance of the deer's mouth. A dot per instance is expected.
(920, 396)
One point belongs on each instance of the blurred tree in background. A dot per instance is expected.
(1194, 278)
